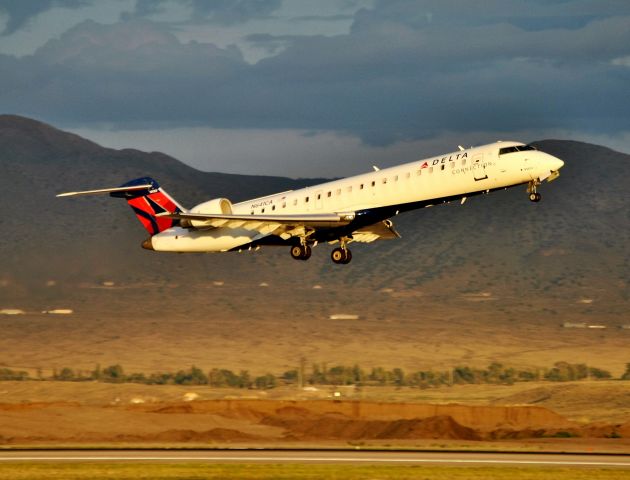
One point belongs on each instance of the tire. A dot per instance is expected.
(338, 255)
(296, 252)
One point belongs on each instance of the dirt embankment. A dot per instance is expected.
(473, 416)
(256, 421)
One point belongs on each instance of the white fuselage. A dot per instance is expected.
(455, 174)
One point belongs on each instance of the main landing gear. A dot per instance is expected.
(340, 255)
(301, 252)
(534, 196)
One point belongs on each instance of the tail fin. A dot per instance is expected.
(149, 201)
(146, 199)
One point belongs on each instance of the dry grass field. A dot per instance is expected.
(297, 472)
(269, 328)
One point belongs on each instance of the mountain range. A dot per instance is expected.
(576, 238)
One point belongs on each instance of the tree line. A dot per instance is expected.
(321, 374)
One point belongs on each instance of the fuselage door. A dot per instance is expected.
(479, 170)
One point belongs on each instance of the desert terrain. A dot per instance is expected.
(245, 326)
(584, 417)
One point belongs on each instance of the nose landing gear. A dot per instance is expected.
(534, 196)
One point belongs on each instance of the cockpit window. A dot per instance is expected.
(516, 148)
(507, 150)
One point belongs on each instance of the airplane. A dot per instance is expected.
(352, 209)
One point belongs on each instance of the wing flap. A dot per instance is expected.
(383, 230)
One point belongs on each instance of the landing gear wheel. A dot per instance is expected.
(535, 197)
(301, 252)
(341, 256)
(296, 252)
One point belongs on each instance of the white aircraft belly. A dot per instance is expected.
(211, 240)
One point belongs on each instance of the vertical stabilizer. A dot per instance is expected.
(147, 202)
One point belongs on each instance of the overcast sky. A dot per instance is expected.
(318, 88)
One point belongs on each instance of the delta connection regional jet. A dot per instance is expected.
(353, 209)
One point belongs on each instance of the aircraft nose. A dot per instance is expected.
(555, 164)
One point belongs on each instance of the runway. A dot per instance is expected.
(356, 457)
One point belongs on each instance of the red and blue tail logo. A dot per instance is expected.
(147, 203)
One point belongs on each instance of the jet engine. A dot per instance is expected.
(217, 205)
(221, 206)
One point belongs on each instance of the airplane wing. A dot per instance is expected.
(285, 226)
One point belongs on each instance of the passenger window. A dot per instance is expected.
(384, 181)
(395, 178)
(430, 169)
(306, 200)
(361, 187)
(442, 167)
(329, 194)
(319, 196)
(262, 211)
(463, 161)
(373, 183)
(284, 204)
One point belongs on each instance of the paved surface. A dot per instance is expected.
(334, 457)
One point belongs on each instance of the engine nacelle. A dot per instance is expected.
(221, 206)
(217, 205)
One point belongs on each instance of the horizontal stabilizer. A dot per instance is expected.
(107, 190)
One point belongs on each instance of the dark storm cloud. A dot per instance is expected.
(19, 12)
(224, 12)
(405, 71)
